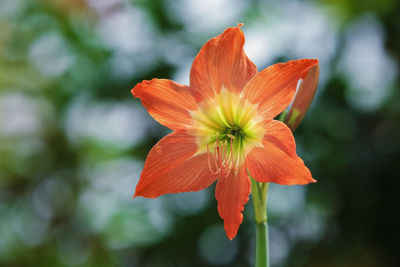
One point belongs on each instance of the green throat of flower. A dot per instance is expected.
(227, 148)
(226, 127)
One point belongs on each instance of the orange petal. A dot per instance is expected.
(232, 193)
(167, 101)
(277, 161)
(304, 96)
(173, 167)
(274, 87)
(221, 62)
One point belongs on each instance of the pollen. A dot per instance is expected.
(231, 136)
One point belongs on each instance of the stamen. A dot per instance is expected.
(224, 153)
(209, 163)
(221, 160)
(219, 154)
(233, 159)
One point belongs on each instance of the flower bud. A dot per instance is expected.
(303, 98)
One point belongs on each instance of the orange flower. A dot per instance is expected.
(223, 127)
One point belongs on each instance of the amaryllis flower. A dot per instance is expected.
(223, 127)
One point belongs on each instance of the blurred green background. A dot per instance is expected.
(73, 139)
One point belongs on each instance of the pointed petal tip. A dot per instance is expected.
(136, 194)
(231, 233)
(234, 29)
(143, 191)
(145, 195)
(139, 86)
(309, 180)
(136, 88)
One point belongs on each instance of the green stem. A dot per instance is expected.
(259, 195)
(262, 247)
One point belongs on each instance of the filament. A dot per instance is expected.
(221, 157)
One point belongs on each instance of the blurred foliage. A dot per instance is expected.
(73, 140)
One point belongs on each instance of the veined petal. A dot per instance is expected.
(274, 87)
(167, 101)
(277, 161)
(232, 193)
(221, 62)
(173, 167)
(279, 134)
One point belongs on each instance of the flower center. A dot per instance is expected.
(226, 127)
(224, 153)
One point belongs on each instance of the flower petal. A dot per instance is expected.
(274, 87)
(221, 62)
(304, 96)
(277, 161)
(173, 167)
(232, 193)
(167, 101)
